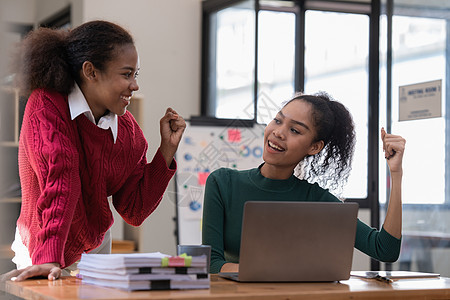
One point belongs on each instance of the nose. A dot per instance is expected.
(134, 85)
(279, 133)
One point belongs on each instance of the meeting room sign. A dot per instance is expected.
(420, 101)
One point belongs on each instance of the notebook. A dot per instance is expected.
(296, 242)
(393, 274)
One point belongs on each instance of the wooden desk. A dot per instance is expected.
(73, 288)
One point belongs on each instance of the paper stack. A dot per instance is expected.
(144, 271)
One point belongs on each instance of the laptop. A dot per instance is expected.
(296, 242)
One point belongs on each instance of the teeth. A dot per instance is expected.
(126, 98)
(275, 146)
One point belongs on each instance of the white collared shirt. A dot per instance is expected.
(78, 105)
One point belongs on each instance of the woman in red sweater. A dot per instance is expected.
(79, 145)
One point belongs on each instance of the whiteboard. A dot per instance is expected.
(203, 149)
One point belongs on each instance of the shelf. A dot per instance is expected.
(123, 246)
(10, 116)
(9, 89)
(9, 144)
(11, 200)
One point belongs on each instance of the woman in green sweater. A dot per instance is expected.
(310, 140)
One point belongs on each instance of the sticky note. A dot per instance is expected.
(234, 135)
(202, 176)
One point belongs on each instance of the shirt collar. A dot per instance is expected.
(78, 105)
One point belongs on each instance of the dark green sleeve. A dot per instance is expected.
(377, 244)
(213, 223)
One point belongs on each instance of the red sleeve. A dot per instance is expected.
(144, 189)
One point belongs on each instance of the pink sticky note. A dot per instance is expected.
(202, 176)
(234, 135)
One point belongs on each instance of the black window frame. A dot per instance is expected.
(60, 19)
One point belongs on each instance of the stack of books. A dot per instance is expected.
(144, 271)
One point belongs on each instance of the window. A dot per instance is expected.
(257, 54)
(234, 62)
(414, 49)
(419, 55)
(276, 62)
(336, 61)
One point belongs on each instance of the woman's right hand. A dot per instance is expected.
(172, 126)
(50, 270)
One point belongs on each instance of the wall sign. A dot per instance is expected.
(420, 101)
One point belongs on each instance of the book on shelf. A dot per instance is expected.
(144, 271)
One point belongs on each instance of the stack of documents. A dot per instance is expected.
(144, 271)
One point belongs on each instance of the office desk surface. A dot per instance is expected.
(73, 288)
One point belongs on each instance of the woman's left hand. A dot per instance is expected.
(172, 127)
(393, 147)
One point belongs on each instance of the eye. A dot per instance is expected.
(295, 131)
(277, 121)
(128, 74)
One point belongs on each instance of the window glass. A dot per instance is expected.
(276, 62)
(418, 54)
(235, 60)
(336, 61)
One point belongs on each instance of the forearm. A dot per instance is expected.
(143, 190)
(230, 267)
(393, 221)
(168, 153)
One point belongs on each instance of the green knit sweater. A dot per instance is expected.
(226, 192)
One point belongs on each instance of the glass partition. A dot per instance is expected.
(418, 52)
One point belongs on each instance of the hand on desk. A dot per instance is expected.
(50, 270)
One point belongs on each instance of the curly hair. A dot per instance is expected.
(334, 126)
(52, 58)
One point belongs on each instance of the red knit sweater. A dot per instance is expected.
(69, 168)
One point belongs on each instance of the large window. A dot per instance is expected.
(419, 55)
(257, 54)
(337, 62)
(415, 49)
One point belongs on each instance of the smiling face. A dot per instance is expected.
(112, 88)
(288, 138)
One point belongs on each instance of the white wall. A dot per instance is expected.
(20, 11)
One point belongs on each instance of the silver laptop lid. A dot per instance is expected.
(297, 241)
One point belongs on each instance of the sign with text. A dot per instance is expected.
(420, 101)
